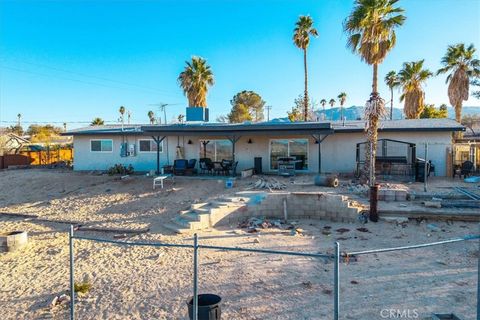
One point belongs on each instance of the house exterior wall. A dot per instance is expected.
(338, 151)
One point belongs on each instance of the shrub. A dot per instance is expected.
(82, 287)
(120, 169)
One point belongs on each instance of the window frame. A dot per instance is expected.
(212, 141)
(288, 151)
(101, 151)
(151, 142)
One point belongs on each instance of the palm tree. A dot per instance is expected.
(323, 102)
(410, 79)
(391, 81)
(342, 97)
(331, 103)
(463, 67)
(195, 80)
(97, 122)
(151, 116)
(301, 38)
(371, 34)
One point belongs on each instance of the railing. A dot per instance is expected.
(196, 246)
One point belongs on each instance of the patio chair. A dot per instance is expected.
(191, 167)
(233, 168)
(467, 168)
(206, 165)
(218, 168)
(180, 166)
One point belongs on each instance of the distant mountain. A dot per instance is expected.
(356, 112)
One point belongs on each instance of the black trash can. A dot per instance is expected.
(420, 170)
(208, 307)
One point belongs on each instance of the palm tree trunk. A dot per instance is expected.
(391, 103)
(375, 77)
(305, 116)
(458, 118)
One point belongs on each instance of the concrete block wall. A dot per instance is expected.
(300, 205)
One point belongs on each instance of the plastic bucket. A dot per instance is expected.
(208, 307)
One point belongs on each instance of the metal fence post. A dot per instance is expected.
(72, 285)
(195, 277)
(336, 280)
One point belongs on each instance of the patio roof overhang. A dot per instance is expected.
(239, 129)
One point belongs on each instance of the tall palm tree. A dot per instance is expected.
(371, 34)
(323, 102)
(463, 67)
(391, 80)
(410, 79)
(342, 97)
(195, 80)
(301, 38)
(331, 103)
(151, 116)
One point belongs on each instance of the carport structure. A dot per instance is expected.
(233, 132)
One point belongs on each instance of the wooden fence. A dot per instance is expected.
(49, 156)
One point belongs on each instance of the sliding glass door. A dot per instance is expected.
(295, 148)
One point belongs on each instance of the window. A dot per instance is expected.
(217, 150)
(149, 145)
(295, 148)
(101, 145)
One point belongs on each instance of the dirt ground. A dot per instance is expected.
(154, 283)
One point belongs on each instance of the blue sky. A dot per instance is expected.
(57, 57)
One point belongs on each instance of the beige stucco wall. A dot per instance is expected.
(338, 151)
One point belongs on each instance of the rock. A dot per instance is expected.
(63, 297)
(54, 302)
(256, 240)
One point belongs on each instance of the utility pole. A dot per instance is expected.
(268, 112)
(129, 115)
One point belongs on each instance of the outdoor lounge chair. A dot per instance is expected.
(180, 166)
(466, 170)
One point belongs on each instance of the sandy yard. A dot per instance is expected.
(154, 283)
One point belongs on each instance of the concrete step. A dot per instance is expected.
(176, 228)
(194, 216)
(205, 210)
(190, 224)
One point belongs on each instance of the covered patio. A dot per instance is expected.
(233, 133)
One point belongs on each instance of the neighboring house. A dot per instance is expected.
(10, 143)
(318, 146)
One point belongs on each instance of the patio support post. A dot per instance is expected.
(158, 140)
(233, 140)
(204, 143)
(319, 139)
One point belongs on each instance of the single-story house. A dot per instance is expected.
(325, 146)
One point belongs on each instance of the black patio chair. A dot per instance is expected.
(206, 165)
(466, 170)
(180, 167)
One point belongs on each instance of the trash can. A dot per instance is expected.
(208, 307)
(420, 170)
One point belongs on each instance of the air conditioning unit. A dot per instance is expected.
(131, 150)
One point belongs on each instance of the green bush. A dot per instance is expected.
(82, 287)
(120, 169)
